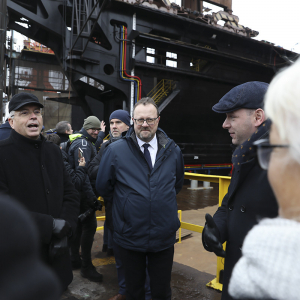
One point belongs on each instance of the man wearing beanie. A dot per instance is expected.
(33, 173)
(87, 140)
(249, 196)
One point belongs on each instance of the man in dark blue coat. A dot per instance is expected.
(249, 196)
(5, 130)
(141, 174)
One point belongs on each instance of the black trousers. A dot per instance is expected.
(159, 269)
(84, 237)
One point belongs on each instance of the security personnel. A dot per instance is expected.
(249, 196)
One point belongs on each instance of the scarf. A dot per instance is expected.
(246, 151)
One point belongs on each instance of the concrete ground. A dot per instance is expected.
(193, 266)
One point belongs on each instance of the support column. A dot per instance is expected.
(194, 185)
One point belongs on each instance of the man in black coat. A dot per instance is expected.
(63, 130)
(249, 196)
(32, 171)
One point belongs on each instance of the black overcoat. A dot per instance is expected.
(249, 199)
(33, 172)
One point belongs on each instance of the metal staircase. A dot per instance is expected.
(164, 92)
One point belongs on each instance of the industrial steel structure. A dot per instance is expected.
(115, 51)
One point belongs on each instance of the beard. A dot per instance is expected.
(145, 139)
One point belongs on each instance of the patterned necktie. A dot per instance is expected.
(147, 155)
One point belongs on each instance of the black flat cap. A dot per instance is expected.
(21, 99)
(247, 95)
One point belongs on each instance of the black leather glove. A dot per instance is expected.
(211, 237)
(91, 201)
(61, 228)
(58, 247)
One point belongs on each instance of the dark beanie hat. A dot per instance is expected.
(21, 99)
(122, 115)
(91, 122)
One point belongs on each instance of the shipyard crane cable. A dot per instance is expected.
(135, 78)
(139, 80)
(121, 66)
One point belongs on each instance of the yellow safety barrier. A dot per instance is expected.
(223, 182)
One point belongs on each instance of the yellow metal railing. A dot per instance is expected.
(161, 90)
(223, 182)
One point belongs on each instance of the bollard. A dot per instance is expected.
(194, 185)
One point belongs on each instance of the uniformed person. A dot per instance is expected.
(249, 196)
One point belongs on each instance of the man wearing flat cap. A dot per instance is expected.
(33, 172)
(87, 141)
(249, 196)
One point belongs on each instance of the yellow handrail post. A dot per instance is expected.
(215, 283)
(180, 214)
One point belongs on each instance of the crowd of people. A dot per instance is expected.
(52, 184)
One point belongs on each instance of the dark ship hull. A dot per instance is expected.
(208, 60)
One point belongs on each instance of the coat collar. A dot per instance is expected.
(21, 140)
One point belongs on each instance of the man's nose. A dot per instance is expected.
(226, 124)
(145, 124)
(32, 115)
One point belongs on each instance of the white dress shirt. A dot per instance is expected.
(152, 148)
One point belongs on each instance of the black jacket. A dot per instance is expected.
(33, 172)
(79, 176)
(92, 172)
(249, 199)
(87, 145)
(64, 137)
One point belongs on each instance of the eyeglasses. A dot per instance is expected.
(149, 121)
(95, 129)
(264, 150)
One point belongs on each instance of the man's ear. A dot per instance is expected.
(259, 116)
(11, 122)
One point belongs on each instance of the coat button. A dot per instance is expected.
(43, 167)
(230, 207)
(47, 191)
(36, 146)
(243, 209)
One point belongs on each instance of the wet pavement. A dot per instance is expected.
(196, 199)
(193, 267)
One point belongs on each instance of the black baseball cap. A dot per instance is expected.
(21, 99)
(247, 95)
